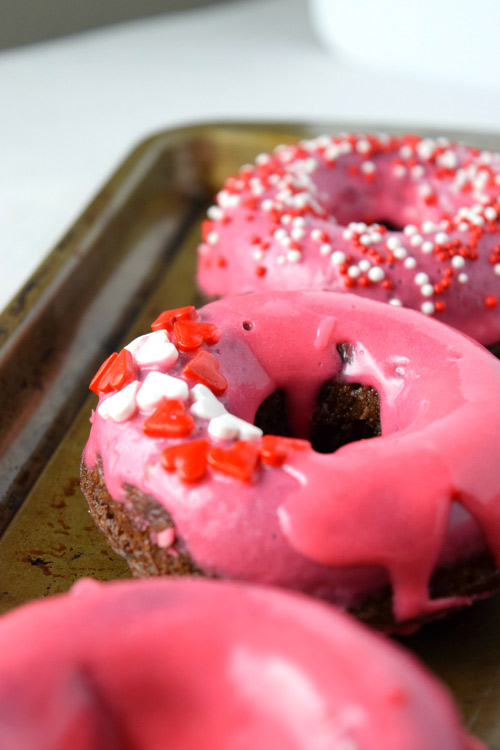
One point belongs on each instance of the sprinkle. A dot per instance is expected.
(294, 256)
(363, 147)
(325, 249)
(364, 265)
(441, 238)
(215, 213)
(496, 269)
(317, 235)
(338, 257)
(157, 349)
(353, 272)
(421, 278)
(297, 233)
(399, 170)
(416, 240)
(410, 262)
(158, 386)
(121, 405)
(229, 427)
(427, 247)
(490, 213)
(463, 278)
(212, 238)
(393, 243)
(396, 302)
(376, 274)
(410, 229)
(427, 308)
(427, 290)
(368, 167)
(457, 261)
(205, 404)
(258, 254)
(490, 300)
(400, 253)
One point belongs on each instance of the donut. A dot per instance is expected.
(321, 442)
(213, 666)
(410, 221)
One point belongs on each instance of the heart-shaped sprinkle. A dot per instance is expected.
(274, 448)
(204, 368)
(121, 405)
(189, 460)
(170, 419)
(158, 386)
(166, 320)
(228, 427)
(118, 373)
(156, 349)
(239, 461)
(205, 404)
(94, 383)
(190, 334)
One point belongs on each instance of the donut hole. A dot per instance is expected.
(344, 413)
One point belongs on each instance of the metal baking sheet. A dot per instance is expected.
(131, 255)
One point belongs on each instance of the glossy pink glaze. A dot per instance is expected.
(210, 665)
(305, 217)
(340, 525)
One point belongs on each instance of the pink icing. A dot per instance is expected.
(337, 526)
(306, 217)
(165, 663)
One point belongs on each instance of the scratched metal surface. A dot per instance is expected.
(129, 256)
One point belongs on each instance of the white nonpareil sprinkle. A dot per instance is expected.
(297, 233)
(410, 229)
(281, 260)
(457, 261)
(294, 256)
(258, 254)
(215, 213)
(400, 253)
(427, 308)
(338, 257)
(212, 238)
(121, 405)
(463, 278)
(267, 205)
(317, 235)
(427, 290)
(395, 301)
(325, 249)
(399, 170)
(368, 167)
(376, 274)
(410, 262)
(353, 272)
(427, 247)
(158, 386)
(416, 240)
(393, 243)
(421, 278)
(364, 265)
(441, 238)
(490, 213)
(428, 227)
(363, 146)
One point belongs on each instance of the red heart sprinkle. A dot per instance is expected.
(204, 368)
(188, 459)
(94, 383)
(274, 448)
(170, 419)
(166, 320)
(120, 372)
(239, 461)
(190, 334)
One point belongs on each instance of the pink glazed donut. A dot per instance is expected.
(410, 221)
(193, 665)
(184, 472)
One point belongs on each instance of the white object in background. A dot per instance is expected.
(449, 41)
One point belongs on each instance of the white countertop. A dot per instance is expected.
(71, 109)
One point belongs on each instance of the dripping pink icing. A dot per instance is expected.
(306, 217)
(190, 664)
(338, 525)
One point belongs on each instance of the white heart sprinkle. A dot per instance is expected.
(229, 427)
(121, 405)
(157, 349)
(206, 404)
(157, 386)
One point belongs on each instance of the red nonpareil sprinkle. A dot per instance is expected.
(439, 305)
(274, 448)
(119, 371)
(190, 334)
(189, 459)
(260, 271)
(165, 321)
(239, 461)
(169, 419)
(490, 300)
(204, 368)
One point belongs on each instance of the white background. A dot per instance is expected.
(71, 109)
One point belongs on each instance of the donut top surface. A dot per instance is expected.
(209, 666)
(175, 420)
(410, 221)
